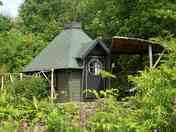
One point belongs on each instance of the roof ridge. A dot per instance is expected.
(73, 36)
(69, 46)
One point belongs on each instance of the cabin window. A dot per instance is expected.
(95, 66)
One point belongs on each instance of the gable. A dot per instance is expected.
(93, 47)
(98, 50)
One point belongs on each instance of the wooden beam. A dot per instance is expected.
(52, 85)
(150, 56)
(13, 87)
(86, 66)
(159, 58)
(83, 78)
(45, 76)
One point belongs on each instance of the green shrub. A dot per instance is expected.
(60, 121)
(30, 87)
(152, 107)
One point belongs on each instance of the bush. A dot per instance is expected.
(61, 121)
(151, 107)
(29, 87)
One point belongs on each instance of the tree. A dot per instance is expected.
(47, 17)
(5, 23)
(1, 3)
(137, 18)
(17, 49)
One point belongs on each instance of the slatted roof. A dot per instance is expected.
(126, 45)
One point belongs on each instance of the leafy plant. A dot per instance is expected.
(59, 120)
(29, 87)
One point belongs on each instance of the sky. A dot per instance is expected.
(10, 7)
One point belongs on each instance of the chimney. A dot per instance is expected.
(73, 25)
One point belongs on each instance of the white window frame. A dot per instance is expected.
(97, 66)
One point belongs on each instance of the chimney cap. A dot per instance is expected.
(73, 25)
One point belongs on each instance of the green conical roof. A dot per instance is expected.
(62, 52)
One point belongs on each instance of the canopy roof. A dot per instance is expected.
(126, 45)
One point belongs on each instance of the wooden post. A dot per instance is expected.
(21, 76)
(83, 78)
(52, 85)
(86, 78)
(150, 56)
(2, 83)
(13, 86)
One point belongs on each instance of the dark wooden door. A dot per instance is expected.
(94, 82)
(93, 79)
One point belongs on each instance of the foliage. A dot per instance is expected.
(17, 49)
(54, 117)
(105, 74)
(61, 121)
(5, 23)
(123, 66)
(148, 109)
(40, 21)
(47, 17)
(139, 18)
(29, 87)
(153, 106)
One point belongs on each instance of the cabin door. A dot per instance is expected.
(94, 81)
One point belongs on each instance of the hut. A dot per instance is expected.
(76, 60)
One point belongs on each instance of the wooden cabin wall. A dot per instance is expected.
(62, 85)
(68, 85)
(75, 83)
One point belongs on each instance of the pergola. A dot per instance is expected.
(132, 46)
